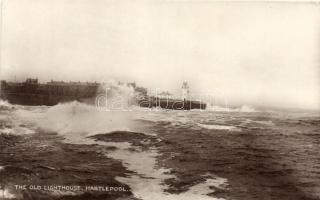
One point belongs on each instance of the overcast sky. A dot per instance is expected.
(252, 53)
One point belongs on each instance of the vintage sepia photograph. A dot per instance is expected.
(159, 100)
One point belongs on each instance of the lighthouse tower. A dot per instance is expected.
(185, 91)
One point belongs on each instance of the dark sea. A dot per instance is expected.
(239, 153)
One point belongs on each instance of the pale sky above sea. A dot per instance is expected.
(250, 53)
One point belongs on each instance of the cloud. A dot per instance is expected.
(261, 53)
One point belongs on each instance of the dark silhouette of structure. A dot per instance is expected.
(31, 92)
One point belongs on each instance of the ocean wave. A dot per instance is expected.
(76, 120)
(5, 105)
(72, 119)
(12, 124)
(244, 108)
(148, 183)
(218, 127)
(17, 130)
(204, 188)
(6, 194)
(257, 122)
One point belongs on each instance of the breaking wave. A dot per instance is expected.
(257, 122)
(17, 130)
(148, 183)
(243, 108)
(218, 127)
(5, 194)
(5, 105)
(73, 120)
(76, 121)
(77, 117)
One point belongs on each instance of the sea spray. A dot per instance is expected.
(74, 119)
(218, 127)
(6, 106)
(113, 95)
(6, 194)
(243, 108)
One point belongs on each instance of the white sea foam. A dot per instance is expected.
(215, 181)
(243, 108)
(16, 129)
(59, 193)
(72, 120)
(118, 95)
(218, 108)
(205, 188)
(264, 123)
(246, 108)
(19, 122)
(6, 131)
(77, 121)
(218, 127)
(148, 183)
(1, 168)
(172, 117)
(5, 105)
(5, 194)
(268, 123)
(78, 117)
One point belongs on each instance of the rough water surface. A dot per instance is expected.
(159, 154)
